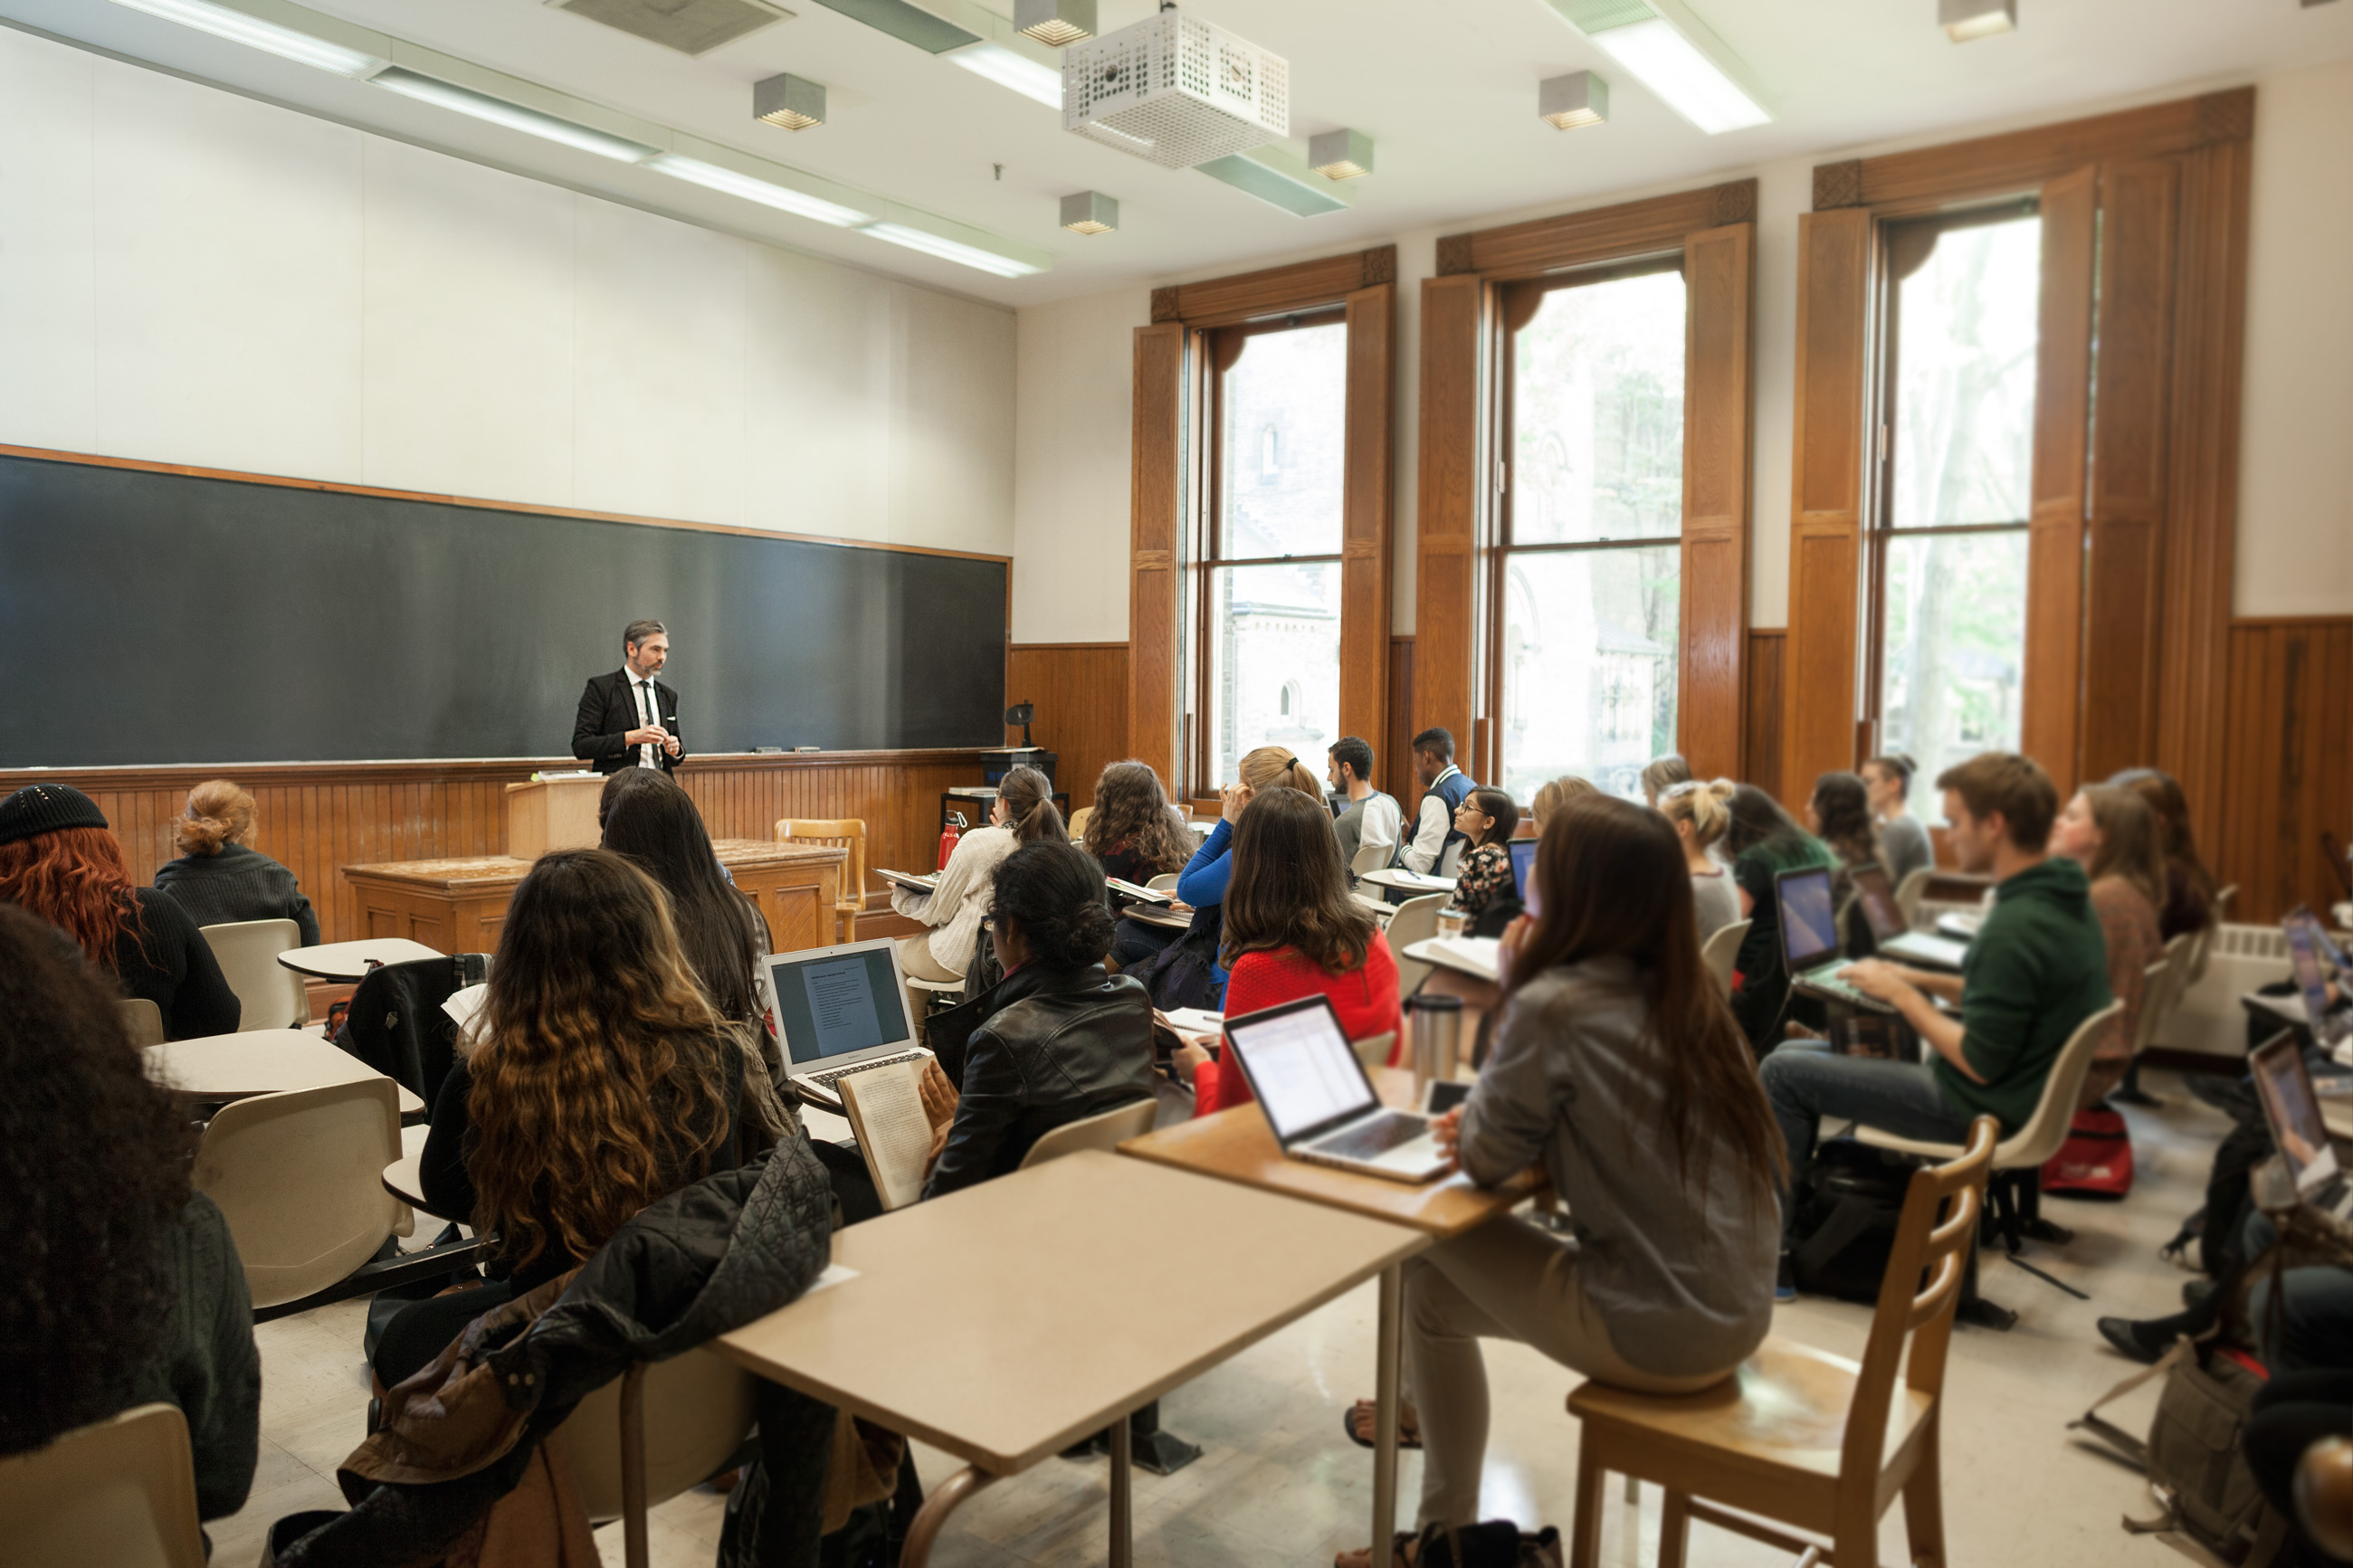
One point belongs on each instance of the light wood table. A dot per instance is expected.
(1237, 1146)
(458, 906)
(258, 1061)
(1006, 1321)
(349, 961)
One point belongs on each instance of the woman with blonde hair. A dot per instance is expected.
(1550, 797)
(2110, 831)
(1701, 814)
(1022, 813)
(220, 879)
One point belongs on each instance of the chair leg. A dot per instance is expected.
(1674, 1529)
(1924, 1507)
(1585, 1530)
(1854, 1531)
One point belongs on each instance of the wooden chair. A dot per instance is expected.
(1078, 824)
(1799, 1437)
(272, 996)
(1722, 951)
(142, 1020)
(120, 1491)
(850, 832)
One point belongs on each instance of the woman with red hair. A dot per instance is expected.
(59, 860)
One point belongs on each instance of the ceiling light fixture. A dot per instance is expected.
(1278, 179)
(948, 249)
(1965, 21)
(1055, 23)
(1341, 154)
(1673, 54)
(908, 24)
(791, 102)
(239, 27)
(783, 198)
(514, 117)
(1579, 99)
(1002, 66)
(1090, 212)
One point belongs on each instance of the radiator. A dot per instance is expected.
(2210, 1018)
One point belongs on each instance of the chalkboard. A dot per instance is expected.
(161, 618)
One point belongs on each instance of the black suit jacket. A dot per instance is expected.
(608, 712)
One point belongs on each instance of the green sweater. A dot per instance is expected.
(2038, 968)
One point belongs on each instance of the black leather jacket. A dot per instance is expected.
(1054, 1045)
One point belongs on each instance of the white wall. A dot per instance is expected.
(1070, 475)
(188, 276)
(2295, 515)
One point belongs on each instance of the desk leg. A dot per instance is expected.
(1387, 1352)
(1122, 1475)
(944, 1501)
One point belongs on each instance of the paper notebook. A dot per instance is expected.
(925, 882)
(1132, 890)
(886, 1110)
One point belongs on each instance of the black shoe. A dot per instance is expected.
(2131, 1340)
(2196, 1290)
(1785, 1282)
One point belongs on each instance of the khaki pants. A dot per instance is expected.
(1505, 1280)
(916, 961)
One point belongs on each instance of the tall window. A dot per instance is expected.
(1588, 571)
(1268, 578)
(1948, 558)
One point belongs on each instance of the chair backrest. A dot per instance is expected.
(2155, 996)
(850, 832)
(272, 996)
(142, 1020)
(697, 1410)
(1723, 950)
(1164, 883)
(1079, 819)
(2047, 1129)
(299, 1177)
(2183, 953)
(1911, 890)
(120, 1491)
(1936, 1235)
(1374, 1050)
(2204, 946)
(1415, 921)
(1105, 1130)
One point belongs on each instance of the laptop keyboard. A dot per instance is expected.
(825, 1080)
(1374, 1138)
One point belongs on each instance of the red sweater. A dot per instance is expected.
(1366, 998)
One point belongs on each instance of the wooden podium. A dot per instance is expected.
(552, 813)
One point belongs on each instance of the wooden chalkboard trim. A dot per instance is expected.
(92, 460)
(168, 775)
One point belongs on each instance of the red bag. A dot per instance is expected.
(2097, 1161)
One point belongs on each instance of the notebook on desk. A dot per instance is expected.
(1318, 1099)
(840, 1010)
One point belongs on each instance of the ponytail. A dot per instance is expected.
(1029, 798)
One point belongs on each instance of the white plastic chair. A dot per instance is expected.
(1164, 883)
(1374, 1050)
(142, 1020)
(1909, 892)
(1722, 951)
(120, 1491)
(272, 996)
(2156, 991)
(658, 1429)
(1416, 920)
(1105, 1130)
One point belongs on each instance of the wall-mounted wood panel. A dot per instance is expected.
(1392, 760)
(1367, 489)
(2287, 774)
(1447, 515)
(1719, 279)
(1302, 285)
(2053, 684)
(1598, 233)
(1157, 480)
(1762, 766)
(1081, 691)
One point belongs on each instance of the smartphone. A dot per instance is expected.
(1443, 1095)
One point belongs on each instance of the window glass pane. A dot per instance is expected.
(1285, 403)
(1955, 643)
(1965, 343)
(1588, 664)
(1598, 414)
(1274, 663)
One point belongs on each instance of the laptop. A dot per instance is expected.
(1524, 874)
(1318, 1099)
(2305, 941)
(2284, 1085)
(1810, 940)
(1892, 936)
(840, 1010)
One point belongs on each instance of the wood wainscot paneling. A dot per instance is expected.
(1080, 691)
(2287, 773)
(1762, 764)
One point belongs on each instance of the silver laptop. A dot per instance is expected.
(2304, 941)
(840, 1010)
(1810, 940)
(1318, 1099)
(1891, 937)
(2285, 1084)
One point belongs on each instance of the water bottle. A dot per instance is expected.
(1437, 1029)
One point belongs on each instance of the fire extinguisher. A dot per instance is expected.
(948, 837)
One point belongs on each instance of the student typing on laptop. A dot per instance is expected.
(2036, 970)
(1620, 1067)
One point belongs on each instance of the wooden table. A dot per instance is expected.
(258, 1061)
(1006, 1322)
(348, 960)
(458, 906)
(1237, 1146)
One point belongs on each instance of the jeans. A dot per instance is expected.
(1806, 1085)
(2315, 1328)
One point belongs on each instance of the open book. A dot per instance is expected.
(1131, 891)
(894, 1135)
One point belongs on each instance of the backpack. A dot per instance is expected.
(2097, 1161)
(1845, 1229)
(2192, 1456)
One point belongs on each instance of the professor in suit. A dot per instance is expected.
(628, 719)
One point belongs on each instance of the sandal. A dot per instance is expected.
(1367, 1411)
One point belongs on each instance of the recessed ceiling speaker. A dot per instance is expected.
(791, 102)
(689, 26)
(1966, 20)
(1175, 90)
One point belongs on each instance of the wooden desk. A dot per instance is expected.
(1006, 1321)
(458, 906)
(349, 961)
(258, 1061)
(1237, 1146)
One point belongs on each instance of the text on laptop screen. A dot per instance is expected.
(841, 1002)
(1879, 905)
(1304, 1068)
(2297, 1123)
(1808, 924)
(1524, 873)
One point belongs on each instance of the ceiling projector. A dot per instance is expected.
(1177, 91)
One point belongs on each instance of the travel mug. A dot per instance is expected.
(1437, 1030)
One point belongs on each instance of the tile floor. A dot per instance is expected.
(1279, 1484)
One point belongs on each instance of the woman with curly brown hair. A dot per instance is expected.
(1133, 833)
(605, 1079)
(59, 860)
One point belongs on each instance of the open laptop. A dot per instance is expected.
(1524, 874)
(1810, 940)
(2305, 941)
(840, 1010)
(1891, 935)
(1318, 1099)
(2284, 1085)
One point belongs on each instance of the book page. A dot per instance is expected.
(892, 1133)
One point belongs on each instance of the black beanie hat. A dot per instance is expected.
(44, 808)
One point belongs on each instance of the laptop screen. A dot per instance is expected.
(1878, 900)
(2304, 956)
(1524, 873)
(834, 1002)
(1809, 922)
(2288, 1100)
(1301, 1066)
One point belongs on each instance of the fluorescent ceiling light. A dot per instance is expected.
(950, 250)
(239, 27)
(513, 116)
(1965, 21)
(782, 197)
(1005, 68)
(1693, 85)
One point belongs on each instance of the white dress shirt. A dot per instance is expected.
(649, 706)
